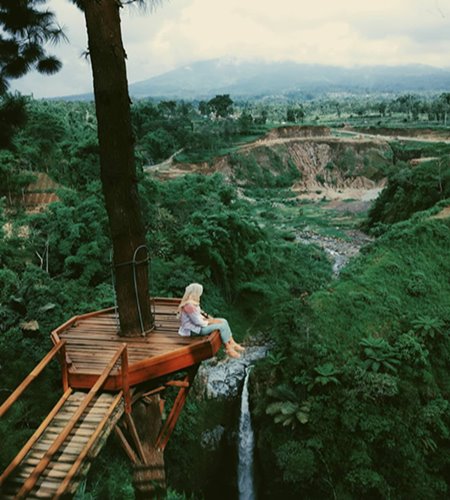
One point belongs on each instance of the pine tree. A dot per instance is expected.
(25, 29)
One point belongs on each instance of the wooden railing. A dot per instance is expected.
(34, 374)
(45, 460)
(30, 443)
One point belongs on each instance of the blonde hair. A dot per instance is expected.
(191, 295)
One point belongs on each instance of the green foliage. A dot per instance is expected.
(346, 161)
(378, 355)
(296, 462)
(326, 374)
(371, 356)
(12, 116)
(25, 30)
(61, 139)
(288, 409)
(56, 263)
(75, 230)
(295, 114)
(289, 413)
(161, 129)
(275, 359)
(410, 190)
(13, 178)
(110, 477)
(44, 130)
(221, 105)
(271, 171)
(194, 466)
(245, 123)
(425, 326)
(199, 228)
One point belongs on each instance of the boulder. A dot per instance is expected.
(223, 378)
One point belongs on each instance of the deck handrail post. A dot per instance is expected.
(64, 368)
(125, 379)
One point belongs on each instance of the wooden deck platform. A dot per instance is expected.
(92, 340)
(93, 356)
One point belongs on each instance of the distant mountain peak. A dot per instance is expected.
(247, 78)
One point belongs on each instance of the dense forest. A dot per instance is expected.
(353, 399)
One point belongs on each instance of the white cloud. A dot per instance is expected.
(344, 32)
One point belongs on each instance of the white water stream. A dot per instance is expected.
(246, 438)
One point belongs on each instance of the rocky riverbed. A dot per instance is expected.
(339, 250)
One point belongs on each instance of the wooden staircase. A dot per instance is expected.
(48, 464)
(72, 457)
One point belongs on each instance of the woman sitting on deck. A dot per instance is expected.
(196, 322)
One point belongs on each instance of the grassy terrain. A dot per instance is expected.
(354, 398)
(233, 147)
(280, 209)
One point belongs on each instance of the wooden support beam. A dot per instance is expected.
(177, 383)
(43, 463)
(29, 378)
(157, 390)
(39, 431)
(136, 396)
(76, 465)
(134, 434)
(126, 445)
(178, 404)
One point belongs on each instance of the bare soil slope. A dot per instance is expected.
(329, 166)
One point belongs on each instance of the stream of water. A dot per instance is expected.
(246, 438)
(340, 251)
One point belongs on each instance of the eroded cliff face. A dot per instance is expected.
(337, 163)
(313, 158)
(323, 160)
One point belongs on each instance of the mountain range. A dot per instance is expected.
(248, 79)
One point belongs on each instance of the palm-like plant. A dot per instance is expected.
(379, 355)
(326, 374)
(426, 326)
(289, 409)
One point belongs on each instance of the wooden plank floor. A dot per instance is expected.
(61, 463)
(92, 340)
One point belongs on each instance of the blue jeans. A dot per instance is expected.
(223, 327)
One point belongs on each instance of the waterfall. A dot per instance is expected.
(246, 444)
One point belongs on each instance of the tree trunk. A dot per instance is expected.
(118, 172)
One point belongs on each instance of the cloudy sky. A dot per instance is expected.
(178, 32)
